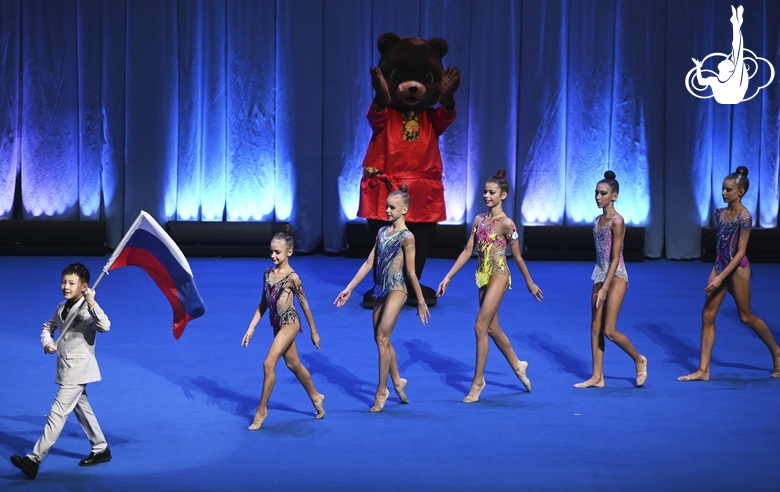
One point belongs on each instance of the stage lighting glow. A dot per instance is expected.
(48, 201)
(188, 201)
(284, 191)
(349, 188)
(90, 206)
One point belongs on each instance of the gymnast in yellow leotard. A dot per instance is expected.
(492, 232)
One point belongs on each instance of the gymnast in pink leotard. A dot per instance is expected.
(610, 281)
(281, 285)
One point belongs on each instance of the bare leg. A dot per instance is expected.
(712, 302)
(282, 341)
(615, 296)
(294, 364)
(385, 316)
(596, 342)
(738, 286)
(489, 300)
(504, 345)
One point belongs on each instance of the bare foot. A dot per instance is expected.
(474, 393)
(379, 401)
(696, 376)
(776, 374)
(520, 371)
(399, 390)
(641, 372)
(591, 383)
(318, 402)
(257, 422)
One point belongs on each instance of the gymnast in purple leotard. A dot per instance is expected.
(610, 282)
(491, 233)
(280, 286)
(394, 254)
(731, 273)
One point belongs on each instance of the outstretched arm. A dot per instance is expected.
(366, 267)
(462, 259)
(252, 324)
(409, 252)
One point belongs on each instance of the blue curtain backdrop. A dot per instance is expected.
(254, 110)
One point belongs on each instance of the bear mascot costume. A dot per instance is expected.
(404, 149)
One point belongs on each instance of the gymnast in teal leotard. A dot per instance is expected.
(394, 253)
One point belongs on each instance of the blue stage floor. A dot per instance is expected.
(175, 412)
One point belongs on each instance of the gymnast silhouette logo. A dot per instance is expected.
(735, 70)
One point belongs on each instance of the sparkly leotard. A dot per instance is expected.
(491, 247)
(728, 238)
(602, 236)
(279, 298)
(389, 262)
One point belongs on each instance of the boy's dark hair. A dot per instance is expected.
(79, 270)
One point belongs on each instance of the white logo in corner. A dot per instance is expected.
(730, 84)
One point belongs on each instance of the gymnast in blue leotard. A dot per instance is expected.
(394, 254)
(731, 273)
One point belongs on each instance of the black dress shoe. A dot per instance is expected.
(28, 466)
(96, 458)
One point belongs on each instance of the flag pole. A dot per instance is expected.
(106, 267)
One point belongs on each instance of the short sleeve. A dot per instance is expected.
(746, 222)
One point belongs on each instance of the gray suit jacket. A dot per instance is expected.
(76, 362)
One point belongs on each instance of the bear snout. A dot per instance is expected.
(411, 92)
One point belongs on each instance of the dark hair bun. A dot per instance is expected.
(742, 171)
(287, 229)
(403, 188)
(609, 175)
(500, 174)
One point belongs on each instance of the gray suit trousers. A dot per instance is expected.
(70, 398)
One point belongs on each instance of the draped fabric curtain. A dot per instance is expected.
(254, 110)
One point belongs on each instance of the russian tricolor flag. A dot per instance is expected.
(148, 246)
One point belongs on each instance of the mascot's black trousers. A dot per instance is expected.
(423, 236)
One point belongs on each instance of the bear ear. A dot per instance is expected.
(387, 41)
(440, 46)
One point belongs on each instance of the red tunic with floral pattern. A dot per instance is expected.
(404, 149)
